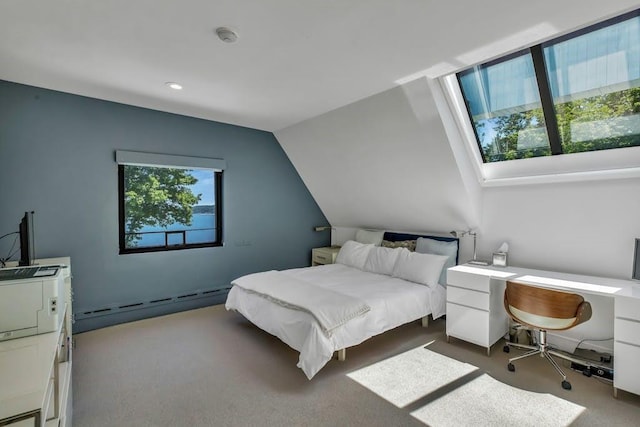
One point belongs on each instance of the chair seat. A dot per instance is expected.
(541, 322)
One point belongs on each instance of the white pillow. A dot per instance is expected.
(420, 268)
(353, 254)
(369, 236)
(426, 245)
(381, 260)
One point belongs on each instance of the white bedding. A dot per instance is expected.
(393, 302)
(329, 308)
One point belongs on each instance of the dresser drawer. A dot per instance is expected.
(627, 331)
(467, 297)
(466, 280)
(628, 308)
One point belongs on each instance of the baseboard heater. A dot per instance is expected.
(120, 308)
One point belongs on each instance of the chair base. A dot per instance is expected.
(542, 350)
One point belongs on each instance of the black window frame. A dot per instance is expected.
(542, 79)
(123, 249)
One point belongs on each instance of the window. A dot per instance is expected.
(577, 93)
(168, 207)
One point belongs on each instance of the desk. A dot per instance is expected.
(475, 312)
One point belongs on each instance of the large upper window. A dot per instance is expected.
(577, 93)
(168, 208)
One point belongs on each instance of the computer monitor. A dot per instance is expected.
(26, 239)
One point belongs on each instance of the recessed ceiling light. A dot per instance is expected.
(174, 85)
(226, 35)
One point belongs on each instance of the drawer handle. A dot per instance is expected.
(321, 257)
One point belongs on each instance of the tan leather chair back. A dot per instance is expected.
(545, 303)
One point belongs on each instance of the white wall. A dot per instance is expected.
(383, 162)
(587, 228)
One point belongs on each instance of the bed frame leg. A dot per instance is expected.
(425, 321)
(342, 354)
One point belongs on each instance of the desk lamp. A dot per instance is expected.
(460, 234)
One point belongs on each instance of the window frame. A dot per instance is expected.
(578, 167)
(546, 97)
(130, 158)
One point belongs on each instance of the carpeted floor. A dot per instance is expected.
(210, 367)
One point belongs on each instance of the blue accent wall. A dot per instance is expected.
(57, 158)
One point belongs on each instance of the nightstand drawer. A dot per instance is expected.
(321, 256)
(468, 297)
(473, 281)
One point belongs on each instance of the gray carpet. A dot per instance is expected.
(210, 367)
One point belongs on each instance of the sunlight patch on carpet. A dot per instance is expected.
(409, 376)
(485, 401)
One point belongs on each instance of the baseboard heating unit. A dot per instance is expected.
(137, 305)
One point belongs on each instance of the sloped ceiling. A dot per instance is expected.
(384, 163)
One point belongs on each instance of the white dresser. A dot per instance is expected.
(35, 371)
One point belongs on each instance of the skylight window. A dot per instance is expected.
(574, 94)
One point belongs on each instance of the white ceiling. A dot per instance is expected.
(294, 60)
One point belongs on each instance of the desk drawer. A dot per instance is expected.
(468, 324)
(468, 297)
(627, 331)
(625, 367)
(628, 307)
(466, 280)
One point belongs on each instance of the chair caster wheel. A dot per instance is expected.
(512, 368)
(566, 385)
(506, 349)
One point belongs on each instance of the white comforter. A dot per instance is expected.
(392, 301)
(330, 309)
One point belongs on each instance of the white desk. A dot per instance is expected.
(474, 307)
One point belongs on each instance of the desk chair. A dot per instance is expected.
(544, 309)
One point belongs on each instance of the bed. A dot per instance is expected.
(378, 283)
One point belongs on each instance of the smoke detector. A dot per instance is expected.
(226, 35)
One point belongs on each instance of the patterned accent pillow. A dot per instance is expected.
(409, 244)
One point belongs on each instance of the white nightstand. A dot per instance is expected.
(327, 255)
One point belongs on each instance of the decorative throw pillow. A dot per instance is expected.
(353, 254)
(425, 245)
(381, 260)
(419, 268)
(408, 244)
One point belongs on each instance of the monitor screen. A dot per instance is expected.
(26, 239)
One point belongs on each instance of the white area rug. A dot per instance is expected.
(482, 401)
